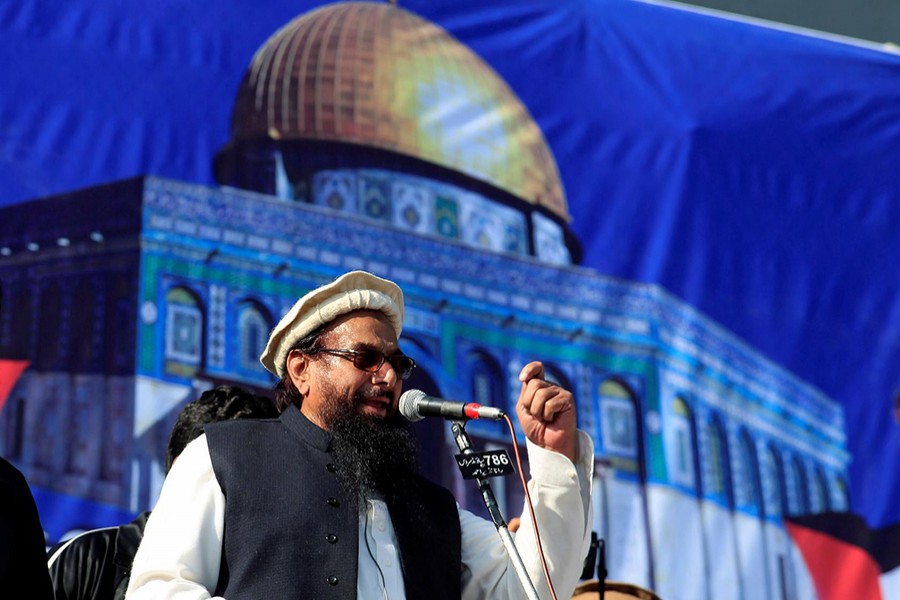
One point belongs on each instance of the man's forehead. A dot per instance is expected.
(366, 327)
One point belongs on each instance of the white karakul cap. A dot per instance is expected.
(356, 290)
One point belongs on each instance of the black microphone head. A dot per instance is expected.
(409, 404)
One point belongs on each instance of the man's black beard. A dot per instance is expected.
(374, 455)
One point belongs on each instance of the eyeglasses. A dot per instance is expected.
(370, 360)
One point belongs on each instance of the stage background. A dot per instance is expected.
(748, 170)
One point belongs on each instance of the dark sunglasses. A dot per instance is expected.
(370, 360)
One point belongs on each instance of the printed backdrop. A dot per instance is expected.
(751, 171)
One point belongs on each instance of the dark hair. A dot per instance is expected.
(286, 393)
(221, 403)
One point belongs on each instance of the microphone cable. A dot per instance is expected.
(537, 534)
(372, 556)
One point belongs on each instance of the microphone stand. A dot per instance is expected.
(465, 447)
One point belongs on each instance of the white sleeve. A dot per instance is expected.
(182, 545)
(560, 492)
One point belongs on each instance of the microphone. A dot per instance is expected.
(415, 405)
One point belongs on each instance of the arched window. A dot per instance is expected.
(684, 440)
(820, 500)
(335, 189)
(376, 198)
(777, 502)
(183, 333)
(718, 483)
(487, 379)
(774, 478)
(619, 425)
(842, 495)
(751, 494)
(797, 483)
(254, 324)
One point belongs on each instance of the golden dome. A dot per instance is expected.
(376, 75)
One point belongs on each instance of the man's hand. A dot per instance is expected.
(546, 412)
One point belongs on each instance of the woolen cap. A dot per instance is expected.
(356, 290)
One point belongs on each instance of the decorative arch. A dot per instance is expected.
(820, 501)
(776, 501)
(185, 325)
(620, 426)
(842, 494)
(254, 322)
(486, 379)
(683, 427)
(751, 488)
(797, 481)
(718, 484)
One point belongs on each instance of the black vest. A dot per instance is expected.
(290, 532)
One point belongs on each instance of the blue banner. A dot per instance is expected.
(725, 190)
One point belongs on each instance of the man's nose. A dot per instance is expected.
(386, 373)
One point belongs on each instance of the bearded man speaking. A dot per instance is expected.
(326, 500)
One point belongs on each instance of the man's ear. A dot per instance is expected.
(297, 369)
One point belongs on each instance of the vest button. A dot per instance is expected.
(333, 502)
(330, 468)
(332, 539)
(332, 580)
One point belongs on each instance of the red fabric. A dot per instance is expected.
(839, 570)
(10, 371)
